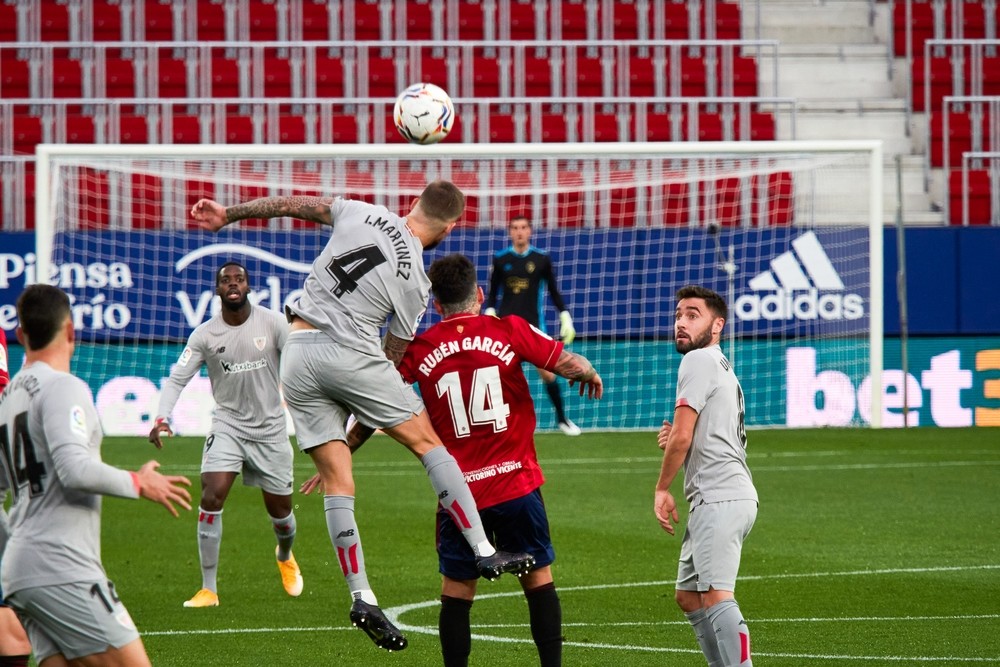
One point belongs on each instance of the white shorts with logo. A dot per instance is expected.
(75, 620)
(266, 465)
(324, 383)
(712, 544)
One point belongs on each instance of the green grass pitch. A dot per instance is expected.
(870, 548)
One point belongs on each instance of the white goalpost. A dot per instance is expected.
(790, 233)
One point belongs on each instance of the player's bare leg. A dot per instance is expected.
(333, 463)
(215, 488)
(690, 603)
(132, 654)
(417, 435)
(279, 509)
(14, 646)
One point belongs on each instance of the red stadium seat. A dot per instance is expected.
(147, 201)
(292, 129)
(762, 126)
(8, 22)
(692, 76)
(501, 128)
(172, 77)
(979, 197)
(626, 19)
(54, 22)
(522, 20)
(641, 76)
(381, 77)
(605, 127)
(921, 22)
(554, 127)
(92, 201)
(710, 127)
(575, 19)
(569, 199)
(329, 76)
(26, 133)
(471, 20)
(263, 21)
(315, 20)
(277, 76)
(589, 76)
(211, 22)
(658, 128)
(367, 20)
(107, 21)
(434, 69)
(158, 20)
(67, 77)
(119, 78)
(485, 76)
(133, 129)
(780, 201)
(727, 20)
(419, 20)
(676, 21)
(185, 129)
(538, 77)
(14, 76)
(467, 181)
(239, 129)
(225, 77)
(79, 129)
(744, 76)
(940, 82)
(343, 129)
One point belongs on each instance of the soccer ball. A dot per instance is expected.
(423, 114)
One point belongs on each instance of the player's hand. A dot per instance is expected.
(163, 489)
(160, 430)
(210, 215)
(492, 312)
(665, 509)
(594, 386)
(311, 484)
(665, 430)
(566, 330)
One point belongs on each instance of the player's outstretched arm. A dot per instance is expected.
(160, 430)
(163, 489)
(576, 368)
(213, 216)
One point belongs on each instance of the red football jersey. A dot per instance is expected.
(4, 361)
(468, 368)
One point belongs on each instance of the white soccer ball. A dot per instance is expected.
(423, 114)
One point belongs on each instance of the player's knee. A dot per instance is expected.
(688, 601)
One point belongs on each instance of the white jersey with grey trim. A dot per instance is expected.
(372, 267)
(242, 365)
(51, 441)
(716, 465)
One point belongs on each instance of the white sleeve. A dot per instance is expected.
(187, 366)
(695, 380)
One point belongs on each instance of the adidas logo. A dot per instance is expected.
(796, 279)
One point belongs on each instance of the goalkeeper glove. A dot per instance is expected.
(491, 312)
(566, 330)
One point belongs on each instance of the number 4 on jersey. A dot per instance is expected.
(349, 268)
(22, 466)
(486, 405)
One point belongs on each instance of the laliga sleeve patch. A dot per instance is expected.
(539, 331)
(185, 357)
(78, 421)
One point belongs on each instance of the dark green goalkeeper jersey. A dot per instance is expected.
(518, 281)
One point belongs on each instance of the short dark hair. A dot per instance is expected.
(519, 217)
(712, 299)
(218, 274)
(41, 311)
(453, 282)
(442, 201)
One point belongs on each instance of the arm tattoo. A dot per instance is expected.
(313, 209)
(572, 366)
(395, 348)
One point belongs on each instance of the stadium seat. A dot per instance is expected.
(8, 22)
(147, 201)
(343, 129)
(434, 69)
(79, 129)
(485, 76)
(468, 182)
(502, 129)
(239, 129)
(471, 20)
(107, 21)
(522, 20)
(67, 77)
(626, 19)
(277, 76)
(553, 127)
(381, 77)
(605, 127)
(940, 82)
(329, 76)
(979, 197)
(991, 75)
(292, 129)
(692, 76)
(658, 128)
(91, 205)
(569, 199)
(185, 129)
(676, 21)
(158, 20)
(762, 126)
(119, 77)
(315, 20)
(575, 19)
(172, 77)
(727, 20)
(710, 127)
(225, 77)
(367, 21)
(133, 129)
(263, 21)
(744, 76)
(780, 204)
(14, 76)
(641, 76)
(538, 77)
(54, 22)
(589, 76)
(210, 22)
(419, 20)
(26, 133)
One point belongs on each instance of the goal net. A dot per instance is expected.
(788, 232)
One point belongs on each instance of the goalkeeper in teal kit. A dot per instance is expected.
(520, 274)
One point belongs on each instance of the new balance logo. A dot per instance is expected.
(796, 279)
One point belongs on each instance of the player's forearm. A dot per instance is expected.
(170, 393)
(673, 458)
(573, 366)
(313, 209)
(79, 471)
(394, 348)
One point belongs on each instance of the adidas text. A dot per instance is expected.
(800, 305)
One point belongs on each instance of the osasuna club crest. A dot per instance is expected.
(260, 342)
